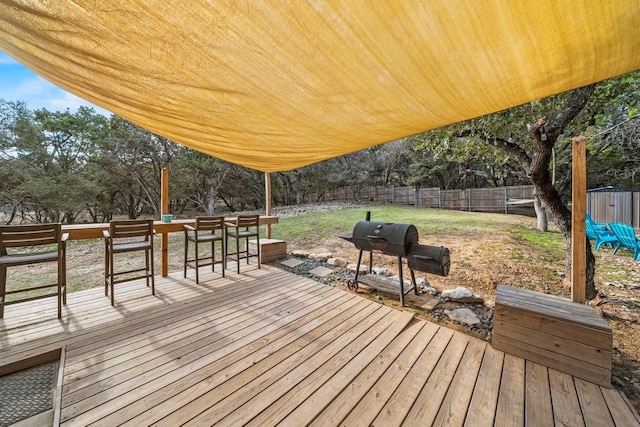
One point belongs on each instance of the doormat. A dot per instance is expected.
(26, 393)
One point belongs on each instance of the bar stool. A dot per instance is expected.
(37, 237)
(128, 236)
(244, 227)
(204, 232)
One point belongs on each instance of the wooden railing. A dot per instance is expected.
(94, 231)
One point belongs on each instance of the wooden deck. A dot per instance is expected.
(267, 347)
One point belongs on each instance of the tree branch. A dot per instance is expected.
(514, 150)
(574, 104)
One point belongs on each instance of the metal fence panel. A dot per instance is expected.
(614, 206)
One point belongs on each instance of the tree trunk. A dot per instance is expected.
(211, 200)
(545, 138)
(541, 214)
(562, 218)
(545, 133)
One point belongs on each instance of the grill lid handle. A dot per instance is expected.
(423, 257)
(369, 236)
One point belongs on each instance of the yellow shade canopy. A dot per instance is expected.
(279, 84)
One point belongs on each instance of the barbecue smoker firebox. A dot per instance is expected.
(400, 240)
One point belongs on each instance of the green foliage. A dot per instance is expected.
(55, 164)
(613, 150)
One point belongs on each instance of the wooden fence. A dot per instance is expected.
(516, 199)
(603, 206)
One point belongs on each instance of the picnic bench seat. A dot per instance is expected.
(555, 332)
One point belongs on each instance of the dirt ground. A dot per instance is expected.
(483, 265)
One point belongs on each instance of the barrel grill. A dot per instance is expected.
(383, 237)
(401, 241)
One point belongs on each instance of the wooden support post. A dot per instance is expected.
(164, 209)
(267, 192)
(578, 217)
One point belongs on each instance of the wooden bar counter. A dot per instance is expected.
(94, 231)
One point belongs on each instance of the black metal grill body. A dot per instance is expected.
(401, 241)
(387, 238)
(429, 259)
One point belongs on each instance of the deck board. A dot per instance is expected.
(370, 403)
(340, 396)
(359, 353)
(266, 347)
(165, 366)
(154, 346)
(396, 408)
(185, 396)
(453, 409)
(482, 408)
(566, 407)
(593, 404)
(511, 395)
(538, 410)
(427, 404)
(276, 382)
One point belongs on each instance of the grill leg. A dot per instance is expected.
(413, 282)
(367, 217)
(358, 266)
(353, 284)
(401, 281)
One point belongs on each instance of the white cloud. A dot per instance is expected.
(39, 93)
(65, 100)
(34, 86)
(18, 83)
(6, 59)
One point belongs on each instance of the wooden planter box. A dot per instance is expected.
(270, 249)
(554, 332)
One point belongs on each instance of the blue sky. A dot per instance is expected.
(18, 83)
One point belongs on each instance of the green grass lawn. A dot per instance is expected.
(429, 222)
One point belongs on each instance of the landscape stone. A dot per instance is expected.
(323, 257)
(363, 268)
(464, 316)
(430, 290)
(338, 262)
(425, 287)
(301, 254)
(292, 262)
(380, 271)
(321, 271)
(462, 295)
